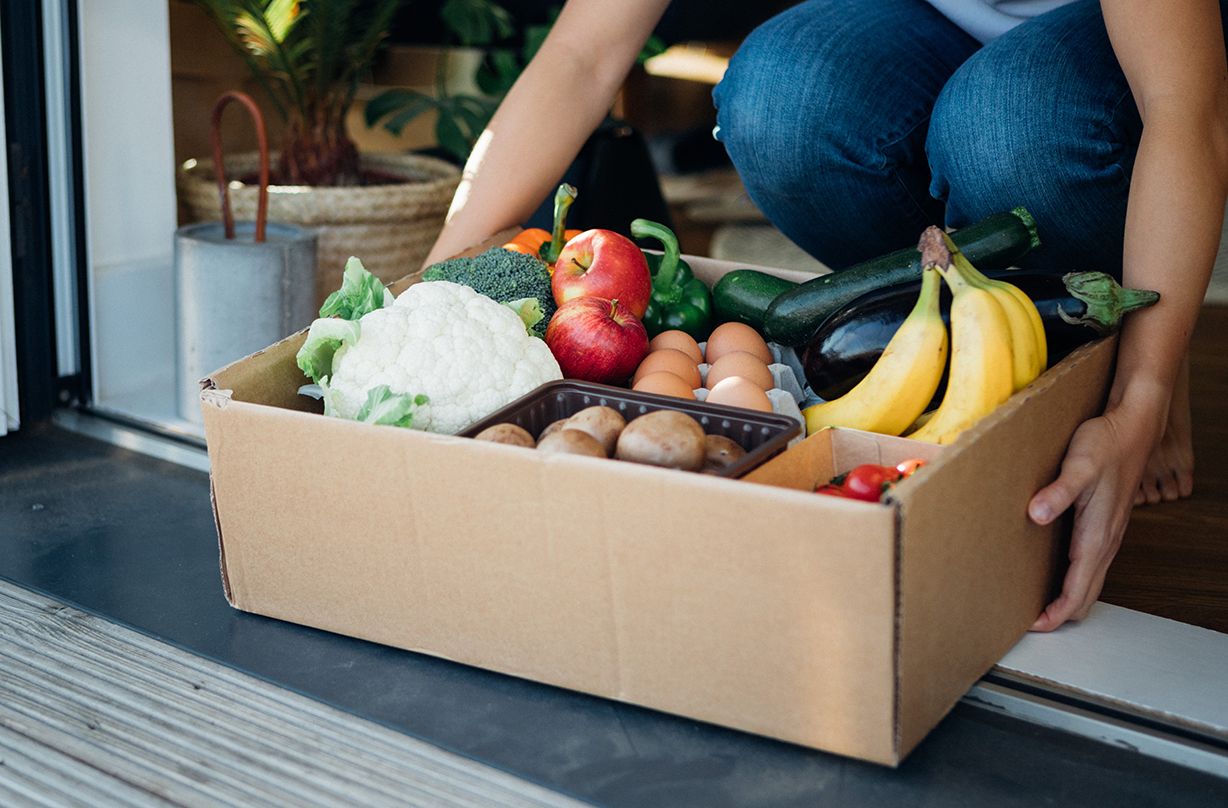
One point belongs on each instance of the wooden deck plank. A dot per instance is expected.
(1174, 558)
(93, 713)
(41, 774)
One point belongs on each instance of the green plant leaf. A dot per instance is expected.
(474, 114)
(255, 36)
(266, 39)
(392, 409)
(477, 22)
(386, 103)
(306, 54)
(534, 36)
(399, 109)
(655, 46)
(329, 20)
(498, 72)
(281, 16)
(450, 136)
(367, 29)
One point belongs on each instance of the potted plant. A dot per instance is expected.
(308, 56)
(614, 153)
(506, 49)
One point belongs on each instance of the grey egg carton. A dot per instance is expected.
(787, 394)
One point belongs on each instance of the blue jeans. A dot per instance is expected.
(856, 124)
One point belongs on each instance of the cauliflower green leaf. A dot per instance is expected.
(325, 337)
(360, 293)
(530, 312)
(386, 407)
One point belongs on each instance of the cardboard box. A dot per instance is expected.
(755, 604)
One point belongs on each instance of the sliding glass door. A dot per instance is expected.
(10, 416)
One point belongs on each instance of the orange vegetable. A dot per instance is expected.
(542, 244)
(530, 241)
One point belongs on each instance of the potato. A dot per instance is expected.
(602, 423)
(507, 433)
(551, 428)
(663, 438)
(571, 441)
(721, 452)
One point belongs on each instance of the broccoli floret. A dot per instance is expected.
(502, 275)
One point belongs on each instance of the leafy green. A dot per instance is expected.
(360, 292)
(385, 407)
(324, 339)
(529, 310)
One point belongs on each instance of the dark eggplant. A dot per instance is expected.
(1076, 308)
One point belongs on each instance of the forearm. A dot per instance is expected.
(1173, 229)
(1174, 60)
(544, 120)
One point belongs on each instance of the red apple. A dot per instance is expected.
(605, 264)
(597, 340)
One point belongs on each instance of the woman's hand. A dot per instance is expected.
(1100, 477)
(1174, 60)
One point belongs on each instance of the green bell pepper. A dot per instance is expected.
(679, 299)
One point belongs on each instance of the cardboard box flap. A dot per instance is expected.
(975, 571)
(270, 377)
(221, 546)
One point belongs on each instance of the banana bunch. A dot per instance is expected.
(998, 342)
(997, 346)
(903, 380)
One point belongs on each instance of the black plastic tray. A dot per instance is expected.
(761, 434)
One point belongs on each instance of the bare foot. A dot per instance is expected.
(1170, 470)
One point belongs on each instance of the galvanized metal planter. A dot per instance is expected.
(238, 287)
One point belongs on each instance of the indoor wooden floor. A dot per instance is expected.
(1174, 560)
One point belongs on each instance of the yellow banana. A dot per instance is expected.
(1038, 326)
(1028, 346)
(903, 380)
(981, 375)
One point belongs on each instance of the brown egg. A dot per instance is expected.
(740, 363)
(738, 392)
(671, 361)
(664, 383)
(679, 341)
(730, 337)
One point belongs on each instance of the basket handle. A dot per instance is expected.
(219, 168)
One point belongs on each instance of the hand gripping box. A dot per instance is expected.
(755, 604)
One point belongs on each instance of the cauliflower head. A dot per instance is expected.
(465, 353)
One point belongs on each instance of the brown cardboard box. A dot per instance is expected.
(755, 604)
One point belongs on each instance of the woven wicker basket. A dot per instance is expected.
(390, 227)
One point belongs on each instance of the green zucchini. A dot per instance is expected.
(995, 242)
(744, 295)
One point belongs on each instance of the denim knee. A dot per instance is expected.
(1045, 121)
(829, 143)
(775, 123)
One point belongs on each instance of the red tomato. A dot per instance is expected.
(909, 467)
(832, 490)
(869, 481)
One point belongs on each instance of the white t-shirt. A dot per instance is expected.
(988, 19)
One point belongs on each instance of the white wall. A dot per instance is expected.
(130, 197)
